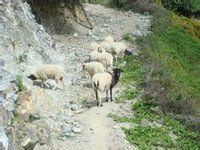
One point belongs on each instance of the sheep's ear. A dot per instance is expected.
(32, 77)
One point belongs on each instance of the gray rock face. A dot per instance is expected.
(3, 140)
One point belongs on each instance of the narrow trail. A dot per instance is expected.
(99, 132)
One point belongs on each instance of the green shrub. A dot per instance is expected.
(185, 7)
(128, 37)
(20, 84)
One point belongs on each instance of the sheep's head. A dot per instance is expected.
(109, 39)
(117, 73)
(32, 77)
(84, 65)
(127, 53)
(101, 49)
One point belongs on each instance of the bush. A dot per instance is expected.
(186, 7)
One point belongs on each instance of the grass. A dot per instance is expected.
(128, 37)
(131, 70)
(150, 137)
(171, 57)
(129, 94)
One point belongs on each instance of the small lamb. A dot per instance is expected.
(93, 68)
(46, 72)
(103, 82)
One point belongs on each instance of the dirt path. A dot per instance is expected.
(99, 132)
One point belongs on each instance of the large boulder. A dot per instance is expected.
(25, 106)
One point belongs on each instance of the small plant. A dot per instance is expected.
(32, 118)
(21, 59)
(128, 37)
(20, 84)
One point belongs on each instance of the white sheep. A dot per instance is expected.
(93, 68)
(106, 59)
(93, 46)
(118, 48)
(109, 39)
(104, 47)
(103, 82)
(46, 72)
(103, 57)
(94, 55)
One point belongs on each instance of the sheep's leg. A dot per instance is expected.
(46, 84)
(96, 95)
(106, 96)
(111, 98)
(63, 85)
(116, 59)
(100, 102)
(98, 98)
(56, 84)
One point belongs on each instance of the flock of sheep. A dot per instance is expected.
(99, 66)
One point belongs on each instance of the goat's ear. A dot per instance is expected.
(121, 70)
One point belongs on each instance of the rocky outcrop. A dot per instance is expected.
(25, 106)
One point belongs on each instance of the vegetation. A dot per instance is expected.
(186, 7)
(20, 84)
(21, 59)
(169, 134)
(167, 71)
(171, 57)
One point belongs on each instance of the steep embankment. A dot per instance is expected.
(24, 46)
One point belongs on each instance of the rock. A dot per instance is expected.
(157, 110)
(77, 128)
(78, 111)
(172, 135)
(145, 123)
(72, 106)
(146, 13)
(26, 143)
(3, 139)
(75, 35)
(25, 105)
(137, 33)
(5, 117)
(156, 124)
(127, 125)
(66, 129)
(115, 127)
